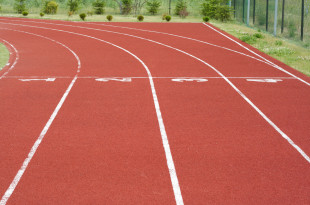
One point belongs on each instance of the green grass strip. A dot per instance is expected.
(4, 56)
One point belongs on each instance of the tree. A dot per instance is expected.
(73, 5)
(153, 6)
(20, 6)
(50, 7)
(98, 6)
(138, 5)
(125, 6)
(180, 6)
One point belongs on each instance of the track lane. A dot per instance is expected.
(22, 120)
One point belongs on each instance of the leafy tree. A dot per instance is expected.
(138, 5)
(20, 6)
(125, 6)
(217, 9)
(98, 6)
(153, 6)
(50, 7)
(73, 5)
(180, 6)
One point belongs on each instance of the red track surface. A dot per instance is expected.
(105, 145)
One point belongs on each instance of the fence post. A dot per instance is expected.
(254, 11)
(302, 20)
(169, 7)
(248, 13)
(282, 23)
(275, 18)
(267, 8)
(235, 8)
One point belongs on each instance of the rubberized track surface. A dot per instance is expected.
(148, 113)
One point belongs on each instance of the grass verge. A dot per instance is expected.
(4, 55)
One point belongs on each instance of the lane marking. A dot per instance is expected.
(199, 80)
(47, 80)
(275, 65)
(34, 148)
(113, 79)
(203, 77)
(264, 80)
(15, 61)
(170, 163)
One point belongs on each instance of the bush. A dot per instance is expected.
(90, 13)
(247, 38)
(206, 19)
(70, 13)
(20, 6)
(208, 8)
(222, 12)
(167, 18)
(83, 16)
(180, 6)
(109, 17)
(41, 14)
(140, 18)
(98, 6)
(25, 13)
(127, 6)
(50, 7)
(258, 35)
(73, 5)
(152, 6)
(278, 43)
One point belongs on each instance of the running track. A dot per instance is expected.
(148, 113)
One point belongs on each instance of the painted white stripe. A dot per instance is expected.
(264, 80)
(170, 163)
(275, 65)
(34, 148)
(47, 80)
(202, 77)
(15, 61)
(176, 186)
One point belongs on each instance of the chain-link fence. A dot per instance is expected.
(292, 16)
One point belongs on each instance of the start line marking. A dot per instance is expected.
(265, 80)
(47, 80)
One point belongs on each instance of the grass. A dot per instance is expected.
(4, 56)
(292, 53)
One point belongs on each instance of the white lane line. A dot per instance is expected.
(47, 80)
(119, 77)
(113, 79)
(274, 65)
(170, 163)
(34, 148)
(145, 39)
(199, 80)
(224, 77)
(15, 61)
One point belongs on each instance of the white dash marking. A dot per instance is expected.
(114, 79)
(47, 80)
(199, 80)
(264, 80)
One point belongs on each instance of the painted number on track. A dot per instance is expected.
(181, 80)
(114, 79)
(264, 80)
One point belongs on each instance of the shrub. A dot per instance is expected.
(109, 17)
(278, 43)
(247, 38)
(163, 17)
(70, 13)
(73, 5)
(50, 7)
(83, 16)
(25, 13)
(98, 6)
(20, 6)
(140, 18)
(222, 12)
(206, 19)
(152, 6)
(180, 6)
(258, 35)
(41, 14)
(167, 18)
(208, 8)
(127, 6)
